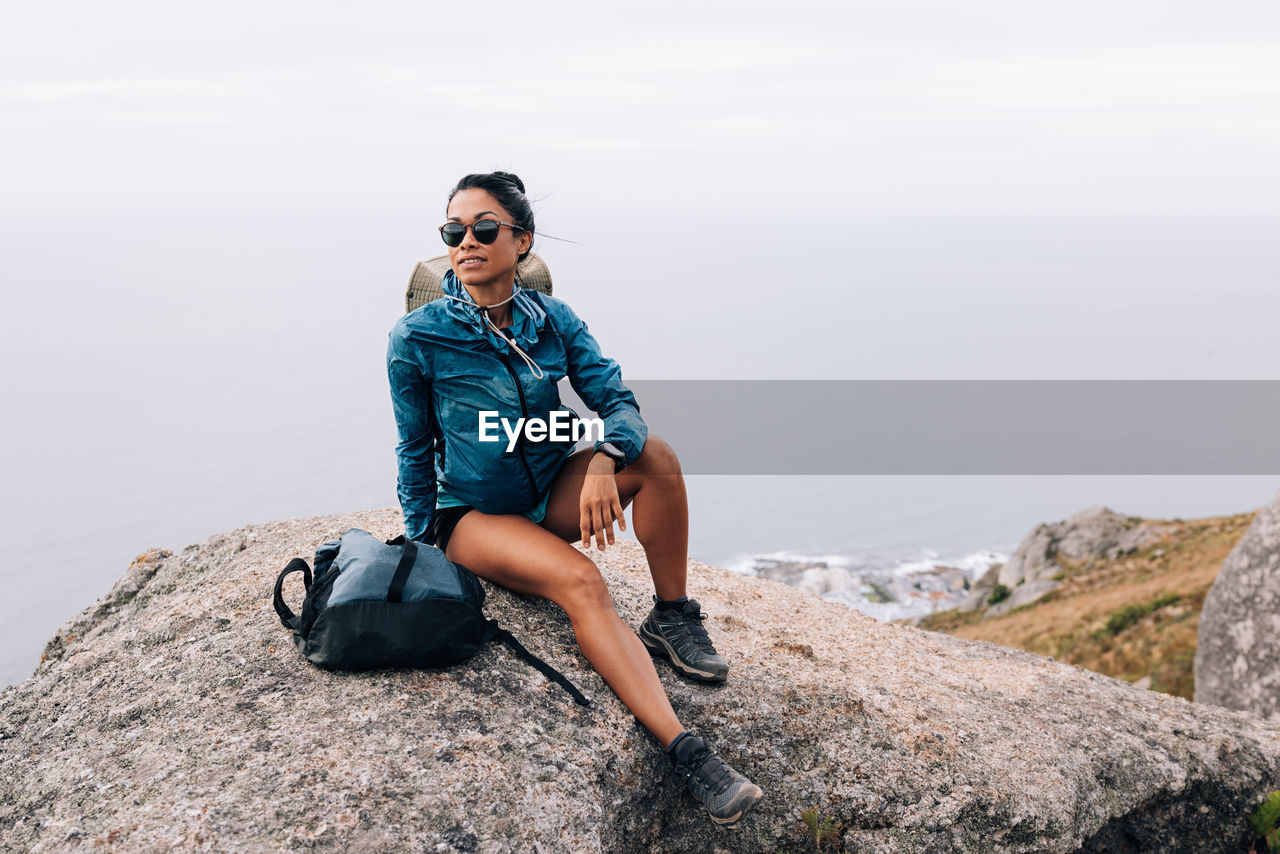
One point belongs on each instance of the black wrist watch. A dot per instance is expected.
(614, 453)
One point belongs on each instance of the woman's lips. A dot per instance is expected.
(471, 261)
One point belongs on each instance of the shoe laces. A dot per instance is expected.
(709, 772)
(697, 631)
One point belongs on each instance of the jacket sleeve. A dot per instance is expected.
(598, 381)
(415, 452)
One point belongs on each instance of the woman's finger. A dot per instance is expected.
(608, 522)
(617, 513)
(598, 523)
(584, 525)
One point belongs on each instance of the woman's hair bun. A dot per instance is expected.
(512, 178)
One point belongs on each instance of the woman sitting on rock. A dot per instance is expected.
(508, 509)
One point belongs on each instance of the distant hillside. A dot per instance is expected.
(1133, 617)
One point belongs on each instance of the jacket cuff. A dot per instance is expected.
(423, 535)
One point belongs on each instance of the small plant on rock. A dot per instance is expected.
(998, 594)
(1266, 822)
(819, 828)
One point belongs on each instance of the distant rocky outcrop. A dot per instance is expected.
(1035, 567)
(1238, 643)
(981, 588)
(175, 713)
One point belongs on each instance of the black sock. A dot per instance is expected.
(671, 748)
(672, 605)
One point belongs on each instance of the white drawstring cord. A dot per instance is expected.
(484, 309)
(533, 366)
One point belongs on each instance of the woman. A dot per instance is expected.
(492, 350)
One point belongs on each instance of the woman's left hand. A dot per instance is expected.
(598, 506)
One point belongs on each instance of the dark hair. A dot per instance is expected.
(508, 189)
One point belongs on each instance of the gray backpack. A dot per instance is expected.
(395, 604)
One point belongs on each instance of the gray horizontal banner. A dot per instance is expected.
(965, 427)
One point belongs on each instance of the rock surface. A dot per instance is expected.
(1238, 643)
(176, 713)
(981, 589)
(1095, 532)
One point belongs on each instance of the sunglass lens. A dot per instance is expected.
(486, 230)
(452, 233)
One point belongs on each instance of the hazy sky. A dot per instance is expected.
(1152, 106)
(945, 190)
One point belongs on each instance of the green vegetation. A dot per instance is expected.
(998, 594)
(1265, 821)
(819, 829)
(1129, 617)
(1130, 614)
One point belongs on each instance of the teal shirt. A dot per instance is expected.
(444, 499)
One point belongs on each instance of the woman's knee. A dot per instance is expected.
(580, 587)
(658, 457)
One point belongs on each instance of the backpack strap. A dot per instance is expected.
(286, 616)
(396, 589)
(493, 630)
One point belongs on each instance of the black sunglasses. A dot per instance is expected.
(485, 231)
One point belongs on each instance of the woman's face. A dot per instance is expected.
(478, 264)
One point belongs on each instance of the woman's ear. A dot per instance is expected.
(524, 242)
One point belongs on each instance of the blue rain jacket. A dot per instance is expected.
(446, 366)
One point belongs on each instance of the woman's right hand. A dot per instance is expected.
(599, 506)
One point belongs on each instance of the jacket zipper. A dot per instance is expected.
(524, 410)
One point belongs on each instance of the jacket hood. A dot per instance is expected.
(527, 316)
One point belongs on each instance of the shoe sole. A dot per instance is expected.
(750, 800)
(658, 646)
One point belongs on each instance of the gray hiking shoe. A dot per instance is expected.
(726, 794)
(679, 635)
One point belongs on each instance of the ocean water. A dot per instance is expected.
(171, 375)
(844, 537)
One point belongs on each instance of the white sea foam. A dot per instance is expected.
(851, 581)
(974, 564)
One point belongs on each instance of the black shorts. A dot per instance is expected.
(443, 522)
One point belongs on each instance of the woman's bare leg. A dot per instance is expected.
(660, 516)
(521, 556)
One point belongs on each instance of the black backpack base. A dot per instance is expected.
(366, 635)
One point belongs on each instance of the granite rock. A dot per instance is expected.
(1238, 646)
(1095, 532)
(981, 589)
(176, 714)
